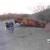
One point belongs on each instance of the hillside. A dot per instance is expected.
(43, 15)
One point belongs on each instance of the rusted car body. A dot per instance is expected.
(24, 21)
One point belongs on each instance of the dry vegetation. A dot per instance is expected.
(42, 15)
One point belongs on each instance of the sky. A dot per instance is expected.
(22, 6)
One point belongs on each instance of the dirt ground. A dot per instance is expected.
(23, 38)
